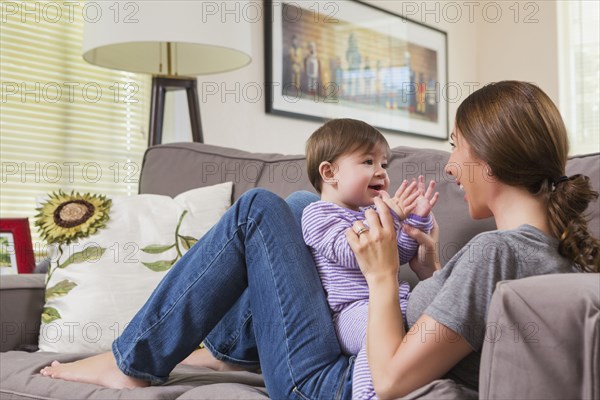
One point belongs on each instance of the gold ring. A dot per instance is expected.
(361, 230)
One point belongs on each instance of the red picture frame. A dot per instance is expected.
(23, 249)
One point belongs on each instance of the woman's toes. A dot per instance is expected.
(55, 363)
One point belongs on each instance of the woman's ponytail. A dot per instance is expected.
(567, 201)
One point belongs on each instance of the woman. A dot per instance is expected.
(252, 269)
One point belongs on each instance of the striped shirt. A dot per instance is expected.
(323, 227)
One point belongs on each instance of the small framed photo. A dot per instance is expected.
(329, 59)
(16, 250)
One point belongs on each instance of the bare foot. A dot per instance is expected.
(204, 358)
(100, 370)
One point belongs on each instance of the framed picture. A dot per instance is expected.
(347, 59)
(16, 251)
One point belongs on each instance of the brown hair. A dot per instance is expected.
(518, 131)
(337, 137)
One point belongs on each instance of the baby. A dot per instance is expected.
(347, 162)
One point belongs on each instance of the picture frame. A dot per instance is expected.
(348, 59)
(16, 250)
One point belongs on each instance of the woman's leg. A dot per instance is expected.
(298, 201)
(257, 244)
(232, 340)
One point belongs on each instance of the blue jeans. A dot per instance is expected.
(252, 284)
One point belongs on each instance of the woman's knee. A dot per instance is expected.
(297, 201)
(263, 197)
(302, 196)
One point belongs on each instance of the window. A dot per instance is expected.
(64, 123)
(579, 51)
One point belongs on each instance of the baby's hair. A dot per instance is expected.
(335, 138)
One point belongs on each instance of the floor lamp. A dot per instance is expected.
(174, 41)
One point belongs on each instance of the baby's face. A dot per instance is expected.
(360, 176)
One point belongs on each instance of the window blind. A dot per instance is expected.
(579, 34)
(64, 124)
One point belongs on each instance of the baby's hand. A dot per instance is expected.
(426, 199)
(404, 200)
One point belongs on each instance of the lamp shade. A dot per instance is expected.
(162, 37)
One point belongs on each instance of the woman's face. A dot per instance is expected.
(471, 174)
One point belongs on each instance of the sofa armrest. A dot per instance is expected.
(543, 339)
(21, 304)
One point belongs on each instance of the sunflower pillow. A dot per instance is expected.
(109, 255)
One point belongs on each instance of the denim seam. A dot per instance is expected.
(298, 393)
(225, 357)
(280, 306)
(133, 373)
(228, 343)
(235, 337)
(338, 393)
(176, 302)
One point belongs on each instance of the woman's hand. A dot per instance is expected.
(375, 249)
(427, 259)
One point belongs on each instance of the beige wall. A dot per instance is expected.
(479, 51)
(522, 45)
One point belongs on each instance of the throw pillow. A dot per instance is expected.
(97, 283)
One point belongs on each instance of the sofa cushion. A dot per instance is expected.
(20, 379)
(170, 169)
(90, 300)
(548, 321)
(589, 165)
(442, 389)
(229, 391)
(21, 303)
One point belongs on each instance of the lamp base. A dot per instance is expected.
(160, 87)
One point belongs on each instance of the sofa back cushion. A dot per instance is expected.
(170, 169)
(588, 164)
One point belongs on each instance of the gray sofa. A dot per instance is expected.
(544, 342)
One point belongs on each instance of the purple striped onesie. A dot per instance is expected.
(323, 226)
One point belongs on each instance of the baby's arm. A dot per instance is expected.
(407, 246)
(323, 228)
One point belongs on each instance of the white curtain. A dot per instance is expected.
(64, 124)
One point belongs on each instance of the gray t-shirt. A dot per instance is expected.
(459, 295)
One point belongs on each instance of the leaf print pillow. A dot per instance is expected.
(97, 283)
